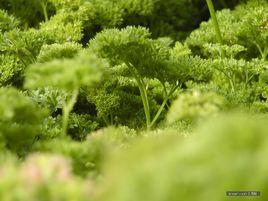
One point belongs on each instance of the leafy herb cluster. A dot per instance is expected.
(132, 99)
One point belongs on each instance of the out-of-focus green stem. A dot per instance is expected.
(163, 105)
(215, 23)
(264, 52)
(144, 101)
(143, 93)
(66, 110)
(44, 8)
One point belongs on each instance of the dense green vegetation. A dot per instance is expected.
(143, 100)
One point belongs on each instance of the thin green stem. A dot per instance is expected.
(246, 80)
(163, 105)
(233, 83)
(105, 121)
(145, 101)
(44, 8)
(215, 23)
(67, 108)
(249, 79)
(159, 112)
(263, 53)
(229, 78)
(148, 118)
(143, 93)
(165, 92)
(165, 88)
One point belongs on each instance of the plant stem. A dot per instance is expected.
(67, 108)
(44, 8)
(165, 92)
(143, 93)
(263, 53)
(232, 85)
(215, 21)
(159, 112)
(145, 102)
(105, 121)
(163, 105)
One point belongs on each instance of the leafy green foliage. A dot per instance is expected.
(194, 105)
(67, 74)
(42, 177)
(239, 71)
(20, 120)
(68, 24)
(126, 45)
(168, 18)
(30, 12)
(215, 50)
(246, 26)
(85, 156)
(51, 128)
(80, 126)
(58, 51)
(147, 58)
(168, 168)
(65, 4)
(120, 136)
(7, 22)
(118, 101)
(18, 50)
(124, 99)
(11, 69)
(52, 99)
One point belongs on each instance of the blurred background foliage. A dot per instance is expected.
(175, 18)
